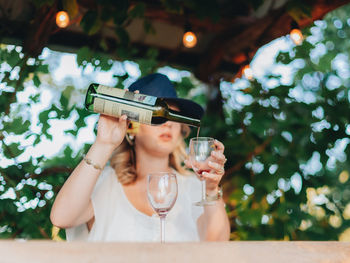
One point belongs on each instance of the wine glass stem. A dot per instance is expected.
(204, 190)
(162, 228)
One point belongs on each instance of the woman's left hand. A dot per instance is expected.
(216, 163)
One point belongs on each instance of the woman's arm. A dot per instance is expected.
(73, 205)
(213, 224)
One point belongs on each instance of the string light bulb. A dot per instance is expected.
(189, 38)
(62, 19)
(295, 34)
(248, 72)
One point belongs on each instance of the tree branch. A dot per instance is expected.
(43, 233)
(52, 170)
(257, 150)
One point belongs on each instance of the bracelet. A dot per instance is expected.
(216, 197)
(89, 162)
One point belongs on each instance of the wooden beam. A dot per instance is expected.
(239, 40)
(204, 252)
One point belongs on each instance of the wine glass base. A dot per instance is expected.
(205, 203)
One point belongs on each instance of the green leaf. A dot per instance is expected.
(283, 57)
(152, 53)
(123, 52)
(121, 13)
(71, 6)
(201, 99)
(146, 66)
(43, 68)
(184, 87)
(40, 3)
(37, 140)
(138, 11)
(108, 3)
(299, 9)
(106, 63)
(84, 54)
(17, 126)
(5, 98)
(252, 217)
(36, 81)
(123, 36)
(148, 27)
(90, 22)
(13, 150)
(72, 132)
(325, 62)
(68, 152)
(64, 102)
(256, 3)
(35, 98)
(68, 91)
(303, 51)
(172, 6)
(205, 9)
(13, 59)
(44, 116)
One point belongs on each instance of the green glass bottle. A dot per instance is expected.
(138, 107)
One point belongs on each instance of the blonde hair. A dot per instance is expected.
(123, 160)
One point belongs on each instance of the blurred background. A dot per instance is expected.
(273, 77)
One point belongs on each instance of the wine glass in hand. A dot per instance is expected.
(162, 194)
(200, 151)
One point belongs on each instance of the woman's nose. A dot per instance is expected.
(167, 124)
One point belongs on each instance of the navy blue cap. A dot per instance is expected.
(158, 85)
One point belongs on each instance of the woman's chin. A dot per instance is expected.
(162, 150)
(159, 148)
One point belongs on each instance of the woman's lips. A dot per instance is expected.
(165, 137)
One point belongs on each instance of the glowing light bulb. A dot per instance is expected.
(248, 72)
(62, 19)
(189, 39)
(296, 36)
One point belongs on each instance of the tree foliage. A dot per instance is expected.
(287, 175)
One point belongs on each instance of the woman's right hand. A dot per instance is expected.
(111, 130)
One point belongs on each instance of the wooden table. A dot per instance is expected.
(218, 252)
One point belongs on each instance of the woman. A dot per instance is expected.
(105, 198)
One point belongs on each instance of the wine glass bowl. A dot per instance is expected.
(162, 194)
(199, 155)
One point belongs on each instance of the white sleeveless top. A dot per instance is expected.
(116, 219)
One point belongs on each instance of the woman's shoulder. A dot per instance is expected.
(107, 171)
(107, 177)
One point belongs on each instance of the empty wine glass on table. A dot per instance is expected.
(162, 194)
(200, 151)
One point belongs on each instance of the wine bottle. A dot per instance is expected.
(138, 107)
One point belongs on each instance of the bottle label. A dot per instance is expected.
(116, 109)
(128, 95)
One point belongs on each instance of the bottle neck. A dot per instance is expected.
(173, 116)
